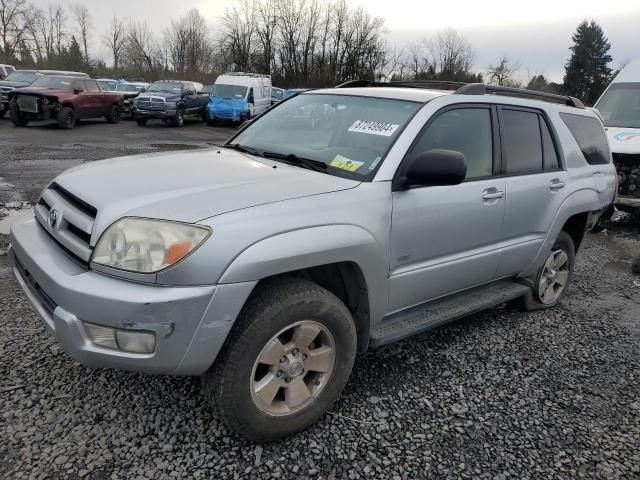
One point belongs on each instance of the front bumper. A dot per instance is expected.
(158, 114)
(190, 324)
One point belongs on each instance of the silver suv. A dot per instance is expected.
(338, 221)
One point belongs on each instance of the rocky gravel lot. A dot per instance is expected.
(500, 395)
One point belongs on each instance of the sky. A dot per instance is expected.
(536, 35)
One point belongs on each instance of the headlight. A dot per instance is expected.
(147, 246)
(172, 105)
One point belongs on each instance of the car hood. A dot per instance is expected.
(165, 95)
(7, 83)
(189, 186)
(624, 140)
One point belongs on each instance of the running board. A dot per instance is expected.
(437, 312)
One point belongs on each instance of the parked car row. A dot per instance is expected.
(69, 96)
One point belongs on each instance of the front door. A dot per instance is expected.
(446, 238)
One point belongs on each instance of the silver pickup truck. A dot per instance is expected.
(338, 221)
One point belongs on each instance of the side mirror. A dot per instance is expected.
(78, 90)
(142, 90)
(437, 167)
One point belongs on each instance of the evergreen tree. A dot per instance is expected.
(74, 59)
(587, 72)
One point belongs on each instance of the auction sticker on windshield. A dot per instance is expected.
(373, 128)
(343, 163)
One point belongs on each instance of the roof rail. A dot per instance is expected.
(462, 88)
(434, 84)
(481, 89)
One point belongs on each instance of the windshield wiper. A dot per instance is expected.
(293, 159)
(243, 149)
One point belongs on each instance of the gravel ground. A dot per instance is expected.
(502, 394)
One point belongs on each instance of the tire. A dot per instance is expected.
(18, 119)
(288, 307)
(178, 121)
(141, 122)
(3, 110)
(66, 118)
(114, 115)
(534, 300)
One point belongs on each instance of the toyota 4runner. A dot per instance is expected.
(338, 221)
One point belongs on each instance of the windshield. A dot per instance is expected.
(167, 87)
(23, 77)
(620, 105)
(129, 87)
(52, 83)
(351, 135)
(108, 84)
(229, 91)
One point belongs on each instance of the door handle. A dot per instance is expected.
(556, 183)
(492, 193)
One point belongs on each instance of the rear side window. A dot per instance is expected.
(589, 135)
(549, 154)
(521, 142)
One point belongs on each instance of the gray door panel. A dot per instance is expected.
(444, 239)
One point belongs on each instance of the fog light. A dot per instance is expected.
(137, 342)
(125, 340)
(103, 336)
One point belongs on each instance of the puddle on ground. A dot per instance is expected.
(618, 266)
(9, 216)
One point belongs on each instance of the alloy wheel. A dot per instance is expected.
(554, 277)
(293, 368)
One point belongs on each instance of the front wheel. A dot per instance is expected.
(141, 122)
(18, 119)
(66, 118)
(178, 121)
(553, 277)
(286, 361)
(3, 110)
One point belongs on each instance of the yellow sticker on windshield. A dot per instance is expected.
(343, 163)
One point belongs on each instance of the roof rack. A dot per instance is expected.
(481, 89)
(462, 88)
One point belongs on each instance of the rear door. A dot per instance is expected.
(447, 238)
(535, 184)
(96, 101)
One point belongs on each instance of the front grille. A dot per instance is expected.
(628, 168)
(45, 300)
(151, 103)
(73, 221)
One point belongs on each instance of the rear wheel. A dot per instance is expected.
(66, 118)
(114, 114)
(141, 121)
(286, 361)
(554, 276)
(18, 119)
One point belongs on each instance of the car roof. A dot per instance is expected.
(65, 73)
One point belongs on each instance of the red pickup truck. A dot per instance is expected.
(65, 99)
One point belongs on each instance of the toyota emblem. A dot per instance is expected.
(53, 217)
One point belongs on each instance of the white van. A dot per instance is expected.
(619, 107)
(239, 96)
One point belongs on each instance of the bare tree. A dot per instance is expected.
(416, 59)
(84, 24)
(15, 22)
(141, 51)
(187, 44)
(239, 29)
(114, 39)
(452, 54)
(502, 73)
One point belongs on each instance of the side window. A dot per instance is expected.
(521, 142)
(549, 154)
(589, 133)
(465, 130)
(91, 86)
